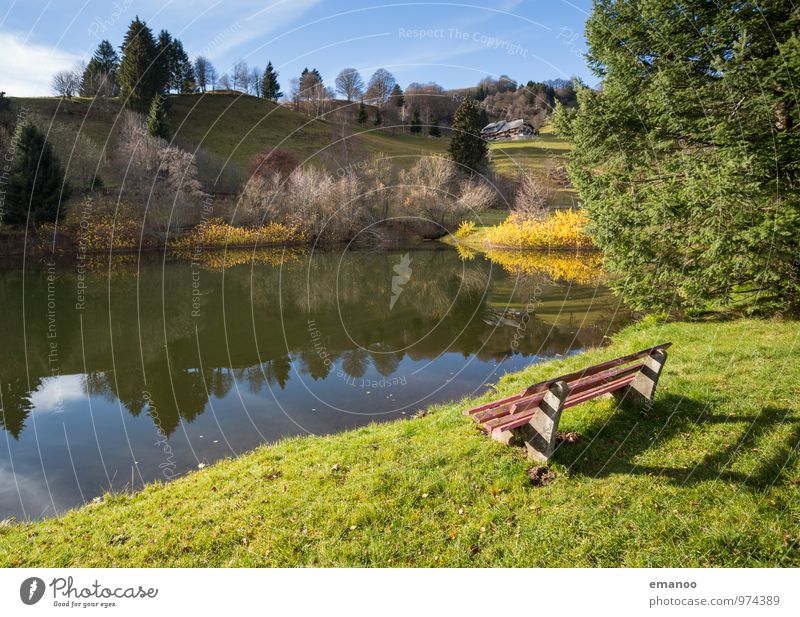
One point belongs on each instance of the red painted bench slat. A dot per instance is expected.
(576, 387)
(518, 419)
(542, 386)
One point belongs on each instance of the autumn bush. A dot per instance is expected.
(561, 229)
(465, 229)
(336, 208)
(436, 189)
(217, 233)
(533, 196)
(160, 178)
(96, 224)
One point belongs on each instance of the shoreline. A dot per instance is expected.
(434, 491)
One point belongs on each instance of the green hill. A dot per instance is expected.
(227, 130)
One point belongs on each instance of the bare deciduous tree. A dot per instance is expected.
(349, 84)
(160, 178)
(203, 70)
(67, 83)
(254, 81)
(433, 103)
(241, 75)
(533, 197)
(436, 190)
(380, 86)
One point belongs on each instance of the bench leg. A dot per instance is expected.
(539, 435)
(643, 387)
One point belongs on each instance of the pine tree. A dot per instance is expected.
(362, 113)
(270, 87)
(106, 58)
(157, 123)
(378, 118)
(686, 163)
(100, 75)
(397, 96)
(164, 62)
(416, 124)
(181, 70)
(467, 148)
(36, 183)
(434, 130)
(483, 119)
(138, 78)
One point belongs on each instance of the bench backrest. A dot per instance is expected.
(583, 381)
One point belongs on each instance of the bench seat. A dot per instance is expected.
(534, 413)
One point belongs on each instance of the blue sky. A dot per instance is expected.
(452, 43)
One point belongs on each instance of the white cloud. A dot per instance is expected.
(27, 68)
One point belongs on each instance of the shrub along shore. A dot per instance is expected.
(709, 478)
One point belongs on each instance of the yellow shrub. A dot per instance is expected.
(216, 232)
(467, 228)
(97, 225)
(562, 229)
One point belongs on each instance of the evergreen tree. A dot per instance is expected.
(138, 77)
(686, 161)
(157, 123)
(106, 58)
(36, 184)
(164, 62)
(100, 75)
(483, 119)
(270, 87)
(378, 118)
(397, 96)
(181, 70)
(416, 124)
(434, 130)
(362, 113)
(467, 148)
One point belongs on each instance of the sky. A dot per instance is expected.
(452, 43)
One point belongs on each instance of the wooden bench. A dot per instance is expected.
(533, 414)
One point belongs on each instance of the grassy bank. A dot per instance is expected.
(709, 478)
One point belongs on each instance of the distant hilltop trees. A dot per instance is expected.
(147, 65)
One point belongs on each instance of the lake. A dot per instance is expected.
(120, 371)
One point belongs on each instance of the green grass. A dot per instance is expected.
(709, 478)
(232, 128)
(545, 152)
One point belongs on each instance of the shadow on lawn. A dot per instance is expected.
(611, 447)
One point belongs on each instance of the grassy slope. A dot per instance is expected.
(538, 155)
(229, 125)
(709, 478)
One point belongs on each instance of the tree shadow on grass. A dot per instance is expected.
(612, 446)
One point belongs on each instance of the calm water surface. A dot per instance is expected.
(138, 369)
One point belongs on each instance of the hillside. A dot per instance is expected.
(227, 130)
(546, 153)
